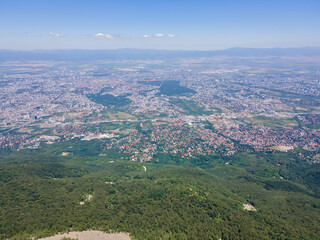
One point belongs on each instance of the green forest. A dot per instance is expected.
(199, 198)
(109, 99)
(171, 88)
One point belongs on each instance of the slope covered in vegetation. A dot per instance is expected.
(203, 199)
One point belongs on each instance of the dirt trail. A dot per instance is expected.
(90, 235)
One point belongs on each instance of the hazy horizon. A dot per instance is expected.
(155, 49)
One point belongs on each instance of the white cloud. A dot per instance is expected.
(159, 35)
(171, 35)
(109, 36)
(52, 34)
(102, 36)
(99, 35)
(147, 36)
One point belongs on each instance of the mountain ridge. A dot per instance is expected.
(133, 53)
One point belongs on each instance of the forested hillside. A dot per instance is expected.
(43, 194)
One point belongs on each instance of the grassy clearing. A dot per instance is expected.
(271, 121)
(118, 116)
(190, 107)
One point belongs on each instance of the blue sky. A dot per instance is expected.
(158, 24)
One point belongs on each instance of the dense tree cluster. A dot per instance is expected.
(197, 199)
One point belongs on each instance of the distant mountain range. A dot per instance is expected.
(89, 55)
